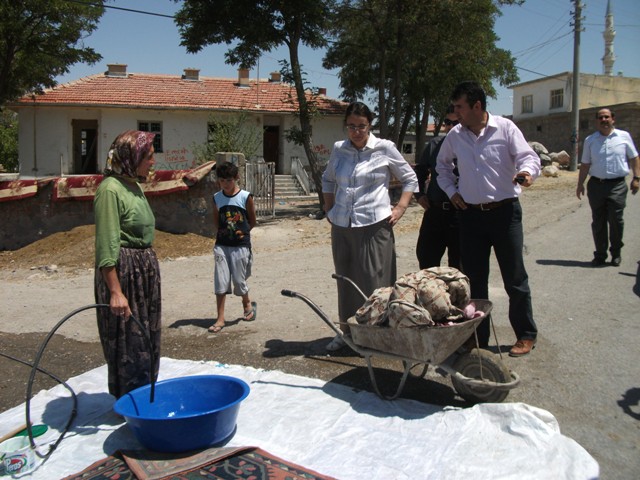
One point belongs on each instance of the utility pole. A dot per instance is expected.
(575, 94)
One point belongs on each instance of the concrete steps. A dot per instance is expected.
(287, 188)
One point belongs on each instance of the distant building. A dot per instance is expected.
(68, 129)
(542, 108)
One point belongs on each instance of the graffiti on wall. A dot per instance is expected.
(176, 159)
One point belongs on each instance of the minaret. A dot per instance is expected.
(608, 34)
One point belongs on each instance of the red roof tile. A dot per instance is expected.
(175, 92)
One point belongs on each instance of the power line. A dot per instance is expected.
(540, 45)
(142, 12)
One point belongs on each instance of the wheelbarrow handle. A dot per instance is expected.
(314, 307)
(341, 278)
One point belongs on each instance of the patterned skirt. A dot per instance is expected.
(125, 346)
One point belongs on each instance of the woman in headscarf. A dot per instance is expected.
(127, 274)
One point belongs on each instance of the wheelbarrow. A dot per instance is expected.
(477, 375)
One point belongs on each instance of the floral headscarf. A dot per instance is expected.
(127, 151)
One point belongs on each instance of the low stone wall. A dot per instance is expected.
(29, 219)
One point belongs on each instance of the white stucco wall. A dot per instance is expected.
(44, 149)
(541, 92)
(46, 136)
(326, 131)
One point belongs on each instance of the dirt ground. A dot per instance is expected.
(69, 256)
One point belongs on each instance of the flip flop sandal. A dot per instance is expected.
(215, 328)
(252, 314)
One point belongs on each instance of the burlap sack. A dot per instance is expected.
(403, 314)
(374, 310)
(426, 297)
(457, 284)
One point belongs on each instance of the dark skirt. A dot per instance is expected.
(125, 346)
(366, 255)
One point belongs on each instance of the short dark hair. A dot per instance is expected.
(613, 114)
(360, 109)
(474, 93)
(227, 170)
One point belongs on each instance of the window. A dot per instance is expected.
(527, 104)
(557, 98)
(407, 148)
(153, 127)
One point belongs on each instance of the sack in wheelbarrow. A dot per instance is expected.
(430, 296)
(425, 315)
(425, 343)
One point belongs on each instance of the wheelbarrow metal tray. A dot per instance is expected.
(424, 344)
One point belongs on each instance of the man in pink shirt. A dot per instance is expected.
(494, 161)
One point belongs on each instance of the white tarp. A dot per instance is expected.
(329, 428)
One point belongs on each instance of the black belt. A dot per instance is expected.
(491, 205)
(608, 180)
(441, 205)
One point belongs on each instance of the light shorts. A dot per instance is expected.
(233, 266)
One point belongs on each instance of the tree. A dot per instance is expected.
(412, 52)
(8, 141)
(256, 26)
(229, 133)
(41, 39)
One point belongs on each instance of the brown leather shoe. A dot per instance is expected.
(522, 347)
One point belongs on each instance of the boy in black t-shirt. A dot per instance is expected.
(234, 216)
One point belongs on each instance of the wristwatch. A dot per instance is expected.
(635, 178)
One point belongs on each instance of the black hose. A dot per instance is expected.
(74, 411)
(57, 379)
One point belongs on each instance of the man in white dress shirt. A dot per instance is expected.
(607, 156)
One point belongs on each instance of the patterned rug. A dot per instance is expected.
(227, 464)
(160, 182)
(18, 189)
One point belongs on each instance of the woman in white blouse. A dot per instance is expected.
(355, 187)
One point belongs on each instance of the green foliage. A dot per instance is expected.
(8, 141)
(411, 54)
(40, 40)
(253, 27)
(229, 133)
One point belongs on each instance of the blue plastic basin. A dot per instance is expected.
(188, 413)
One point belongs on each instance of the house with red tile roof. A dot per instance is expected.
(68, 129)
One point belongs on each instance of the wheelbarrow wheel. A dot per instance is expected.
(478, 364)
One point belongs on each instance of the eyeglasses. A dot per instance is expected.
(450, 123)
(357, 128)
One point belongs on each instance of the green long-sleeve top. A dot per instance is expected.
(123, 219)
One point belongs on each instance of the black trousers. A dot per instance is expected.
(607, 200)
(500, 228)
(438, 232)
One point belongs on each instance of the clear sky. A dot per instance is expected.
(539, 34)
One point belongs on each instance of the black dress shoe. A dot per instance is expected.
(598, 262)
(616, 261)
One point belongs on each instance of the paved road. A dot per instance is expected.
(586, 367)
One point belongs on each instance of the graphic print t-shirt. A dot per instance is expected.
(233, 228)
